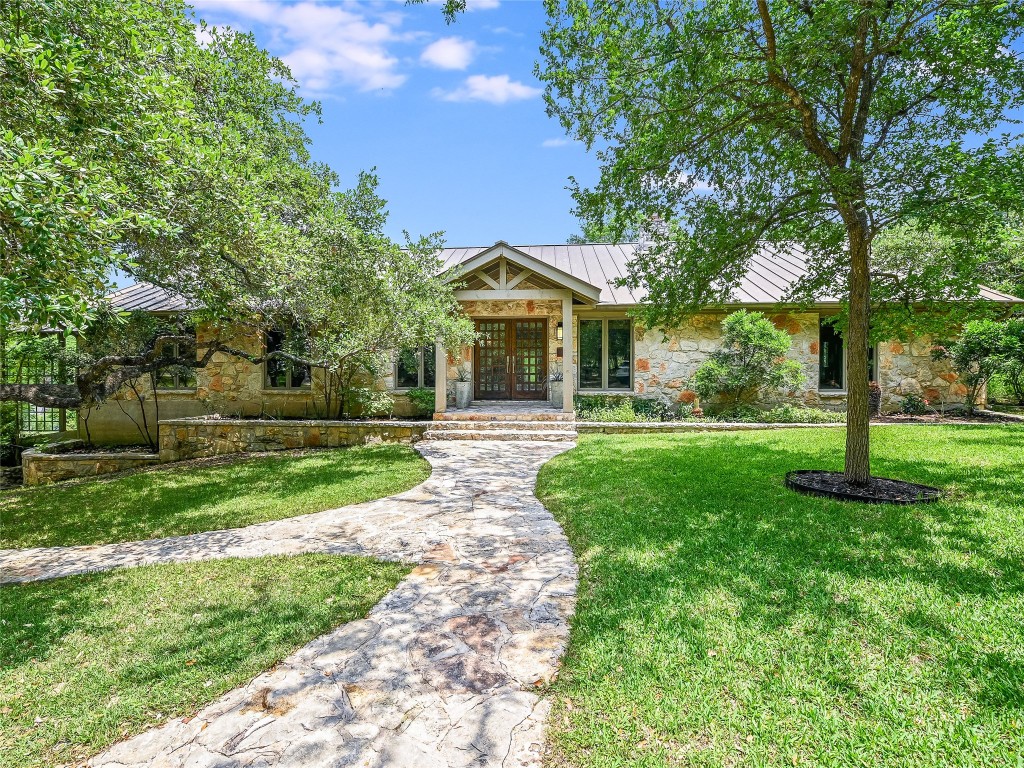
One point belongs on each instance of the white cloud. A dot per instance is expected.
(324, 45)
(449, 53)
(494, 89)
(552, 143)
(482, 5)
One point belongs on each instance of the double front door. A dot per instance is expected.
(511, 359)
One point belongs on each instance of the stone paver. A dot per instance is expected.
(442, 671)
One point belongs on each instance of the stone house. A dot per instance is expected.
(552, 322)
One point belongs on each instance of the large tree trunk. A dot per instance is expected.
(858, 456)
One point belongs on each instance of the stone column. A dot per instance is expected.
(440, 378)
(568, 371)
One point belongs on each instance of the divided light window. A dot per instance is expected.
(415, 368)
(606, 354)
(175, 376)
(832, 359)
(281, 373)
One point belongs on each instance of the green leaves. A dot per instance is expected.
(752, 357)
(715, 142)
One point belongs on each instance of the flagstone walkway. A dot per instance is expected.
(443, 670)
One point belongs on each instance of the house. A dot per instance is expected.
(537, 307)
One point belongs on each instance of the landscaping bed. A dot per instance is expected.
(70, 459)
(86, 661)
(724, 619)
(204, 495)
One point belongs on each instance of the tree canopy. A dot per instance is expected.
(136, 138)
(721, 127)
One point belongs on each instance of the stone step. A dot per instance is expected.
(451, 424)
(545, 435)
(473, 415)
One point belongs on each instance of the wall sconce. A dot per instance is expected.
(558, 332)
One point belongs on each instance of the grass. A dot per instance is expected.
(724, 620)
(182, 500)
(88, 660)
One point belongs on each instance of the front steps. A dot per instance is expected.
(503, 421)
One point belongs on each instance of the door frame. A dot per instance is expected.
(511, 344)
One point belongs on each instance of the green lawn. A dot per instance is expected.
(724, 620)
(175, 501)
(87, 660)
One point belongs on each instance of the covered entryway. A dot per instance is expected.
(511, 359)
(523, 309)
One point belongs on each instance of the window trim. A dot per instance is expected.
(604, 388)
(842, 390)
(421, 357)
(177, 385)
(289, 387)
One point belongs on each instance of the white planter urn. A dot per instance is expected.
(463, 394)
(556, 393)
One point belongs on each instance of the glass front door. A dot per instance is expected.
(511, 359)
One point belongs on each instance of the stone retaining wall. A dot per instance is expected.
(200, 437)
(52, 464)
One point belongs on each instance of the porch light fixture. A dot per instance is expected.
(558, 331)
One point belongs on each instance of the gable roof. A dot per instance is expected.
(590, 269)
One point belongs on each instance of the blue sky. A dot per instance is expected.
(450, 115)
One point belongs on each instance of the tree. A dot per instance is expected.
(814, 125)
(359, 298)
(178, 155)
(129, 143)
(752, 357)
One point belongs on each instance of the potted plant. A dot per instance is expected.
(463, 386)
(874, 398)
(556, 388)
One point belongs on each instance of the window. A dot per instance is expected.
(175, 376)
(415, 368)
(832, 359)
(281, 373)
(606, 354)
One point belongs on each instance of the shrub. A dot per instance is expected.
(913, 405)
(621, 408)
(422, 399)
(752, 357)
(984, 348)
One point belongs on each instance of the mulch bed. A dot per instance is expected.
(950, 417)
(880, 490)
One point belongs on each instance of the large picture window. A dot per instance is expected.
(281, 373)
(832, 359)
(415, 368)
(606, 354)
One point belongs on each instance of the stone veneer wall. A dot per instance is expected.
(664, 363)
(907, 367)
(227, 386)
(52, 464)
(196, 438)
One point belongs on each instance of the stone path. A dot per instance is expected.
(442, 671)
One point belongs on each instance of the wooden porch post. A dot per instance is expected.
(440, 378)
(568, 371)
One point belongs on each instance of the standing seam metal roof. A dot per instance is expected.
(769, 275)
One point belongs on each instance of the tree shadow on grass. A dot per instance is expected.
(166, 503)
(660, 525)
